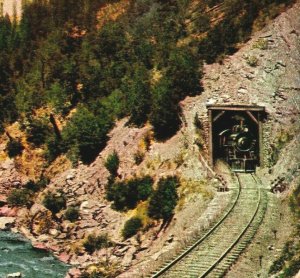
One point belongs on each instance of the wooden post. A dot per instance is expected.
(210, 136)
(260, 139)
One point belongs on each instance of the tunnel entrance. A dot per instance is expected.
(236, 136)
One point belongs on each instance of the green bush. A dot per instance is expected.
(20, 197)
(37, 186)
(94, 242)
(72, 213)
(55, 147)
(126, 194)
(131, 227)
(164, 199)
(286, 255)
(112, 164)
(14, 147)
(55, 202)
(295, 201)
(37, 131)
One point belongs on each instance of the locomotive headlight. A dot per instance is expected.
(244, 143)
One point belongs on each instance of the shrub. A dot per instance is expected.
(164, 199)
(20, 197)
(54, 202)
(94, 242)
(112, 163)
(126, 194)
(131, 227)
(14, 147)
(261, 44)
(37, 186)
(286, 255)
(197, 122)
(55, 147)
(37, 132)
(72, 213)
(138, 157)
(252, 61)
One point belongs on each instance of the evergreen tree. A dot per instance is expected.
(86, 134)
(164, 114)
(139, 94)
(164, 199)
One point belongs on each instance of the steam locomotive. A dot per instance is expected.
(239, 147)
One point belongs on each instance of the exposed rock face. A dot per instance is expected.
(273, 82)
(10, 178)
(8, 212)
(7, 222)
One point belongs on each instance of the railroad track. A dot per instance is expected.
(214, 253)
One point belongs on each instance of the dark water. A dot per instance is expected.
(17, 255)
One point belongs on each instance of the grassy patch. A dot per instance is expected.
(283, 138)
(191, 188)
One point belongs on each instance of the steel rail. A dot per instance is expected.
(239, 237)
(205, 236)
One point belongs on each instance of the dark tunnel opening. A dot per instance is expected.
(235, 139)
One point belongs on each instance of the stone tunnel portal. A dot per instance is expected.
(236, 136)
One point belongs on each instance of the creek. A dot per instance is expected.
(18, 255)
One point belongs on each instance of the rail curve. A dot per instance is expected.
(218, 249)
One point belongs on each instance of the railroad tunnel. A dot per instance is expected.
(235, 136)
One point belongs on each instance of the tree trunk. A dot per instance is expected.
(55, 127)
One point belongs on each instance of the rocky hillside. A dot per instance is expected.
(265, 71)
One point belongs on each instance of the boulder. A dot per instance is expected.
(8, 212)
(40, 246)
(73, 273)
(36, 208)
(64, 257)
(54, 232)
(14, 275)
(129, 256)
(7, 222)
(43, 238)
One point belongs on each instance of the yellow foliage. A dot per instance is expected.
(59, 165)
(141, 211)
(31, 163)
(44, 222)
(111, 12)
(156, 75)
(77, 247)
(189, 188)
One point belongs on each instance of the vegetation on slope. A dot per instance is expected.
(139, 62)
(287, 265)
